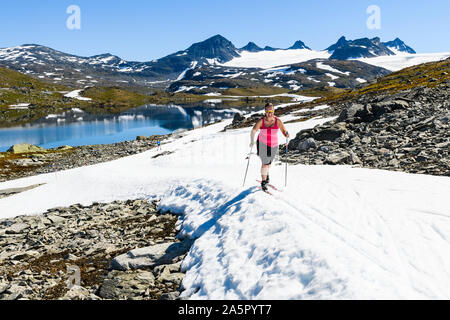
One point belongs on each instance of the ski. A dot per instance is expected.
(270, 185)
(268, 192)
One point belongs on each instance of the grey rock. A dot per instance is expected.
(170, 296)
(25, 254)
(332, 133)
(17, 228)
(307, 144)
(56, 219)
(125, 285)
(338, 158)
(238, 117)
(79, 293)
(164, 253)
(349, 114)
(3, 287)
(176, 267)
(325, 149)
(173, 277)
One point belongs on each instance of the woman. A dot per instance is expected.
(267, 143)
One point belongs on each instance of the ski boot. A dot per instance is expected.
(264, 185)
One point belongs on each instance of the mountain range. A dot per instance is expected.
(215, 53)
(345, 49)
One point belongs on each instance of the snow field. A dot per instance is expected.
(335, 232)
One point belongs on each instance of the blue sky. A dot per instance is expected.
(143, 30)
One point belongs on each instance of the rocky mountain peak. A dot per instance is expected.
(299, 45)
(399, 45)
(252, 47)
(216, 47)
(341, 42)
(359, 48)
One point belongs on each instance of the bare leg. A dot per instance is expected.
(264, 171)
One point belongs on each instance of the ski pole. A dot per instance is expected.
(246, 170)
(285, 171)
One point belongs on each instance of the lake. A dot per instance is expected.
(76, 128)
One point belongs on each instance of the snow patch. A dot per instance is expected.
(76, 95)
(321, 65)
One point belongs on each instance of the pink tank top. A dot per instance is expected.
(269, 135)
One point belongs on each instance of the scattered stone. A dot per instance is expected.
(39, 254)
(406, 131)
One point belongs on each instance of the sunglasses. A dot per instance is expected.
(270, 111)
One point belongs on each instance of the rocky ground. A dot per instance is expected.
(406, 131)
(18, 165)
(42, 256)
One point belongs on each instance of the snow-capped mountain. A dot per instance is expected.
(216, 53)
(30, 55)
(58, 67)
(345, 49)
(251, 47)
(216, 47)
(299, 45)
(399, 45)
(304, 75)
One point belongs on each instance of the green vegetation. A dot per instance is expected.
(324, 91)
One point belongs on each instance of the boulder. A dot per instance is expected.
(380, 108)
(149, 257)
(64, 148)
(330, 134)
(338, 158)
(56, 219)
(17, 228)
(124, 285)
(238, 118)
(25, 148)
(79, 293)
(348, 114)
(307, 144)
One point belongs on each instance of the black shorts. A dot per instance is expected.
(266, 153)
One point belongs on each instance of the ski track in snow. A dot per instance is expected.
(335, 232)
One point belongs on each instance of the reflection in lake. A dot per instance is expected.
(79, 128)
